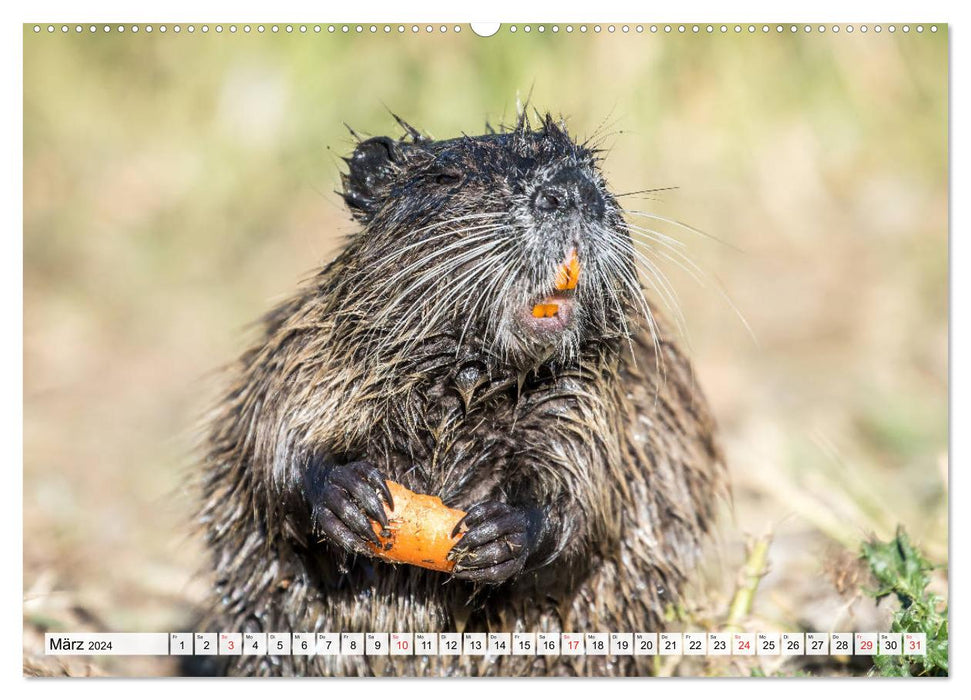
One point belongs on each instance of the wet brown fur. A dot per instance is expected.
(616, 436)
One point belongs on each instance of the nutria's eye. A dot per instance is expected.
(448, 177)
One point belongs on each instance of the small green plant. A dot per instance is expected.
(901, 570)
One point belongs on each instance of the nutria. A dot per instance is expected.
(575, 437)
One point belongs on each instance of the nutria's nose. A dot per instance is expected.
(570, 189)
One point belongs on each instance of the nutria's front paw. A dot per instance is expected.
(496, 545)
(345, 498)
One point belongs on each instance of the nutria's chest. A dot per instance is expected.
(436, 441)
(468, 438)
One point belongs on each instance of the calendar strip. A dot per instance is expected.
(487, 644)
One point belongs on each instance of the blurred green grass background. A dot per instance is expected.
(176, 186)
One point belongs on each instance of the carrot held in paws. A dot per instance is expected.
(419, 530)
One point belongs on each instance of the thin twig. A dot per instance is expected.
(755, 568)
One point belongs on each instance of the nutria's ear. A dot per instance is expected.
(374, 166)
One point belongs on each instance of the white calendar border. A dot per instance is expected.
(12, 279)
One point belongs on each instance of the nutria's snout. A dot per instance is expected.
(569, 191)
(566, 207)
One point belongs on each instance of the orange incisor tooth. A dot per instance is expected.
(568, 274)
(545, 310)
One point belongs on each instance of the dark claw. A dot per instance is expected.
(488, 555)
(504, 524)
(345, 498)
(492, 574)
(496, 544)
(350, 514)
(376, 479)
(481, 511)
(339, 533)
(478, 513)
(363, 493)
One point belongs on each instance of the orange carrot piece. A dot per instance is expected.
(568, 274)
(545, 310)
(420, 527)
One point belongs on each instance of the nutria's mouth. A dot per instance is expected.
(554, 313)
(550, 314)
